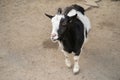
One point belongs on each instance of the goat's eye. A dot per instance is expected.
(64, 23)
(70, 21)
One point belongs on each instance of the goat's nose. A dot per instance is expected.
(53, 35)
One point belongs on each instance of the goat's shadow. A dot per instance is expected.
(49, 44)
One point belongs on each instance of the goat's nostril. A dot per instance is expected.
(53, 35)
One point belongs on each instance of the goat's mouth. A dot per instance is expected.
(54, 40)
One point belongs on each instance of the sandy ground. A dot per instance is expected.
(26, 52)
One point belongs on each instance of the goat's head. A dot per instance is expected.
(59, 24)
(55, 24)
(65, 24)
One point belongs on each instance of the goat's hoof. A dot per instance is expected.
(76, 70)
(68, 63)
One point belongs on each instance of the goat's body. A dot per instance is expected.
(76, 35)
(75, 9)
(73, 38)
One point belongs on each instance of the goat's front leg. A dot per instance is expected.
(78, 49)
(67, 61)
(76, 67)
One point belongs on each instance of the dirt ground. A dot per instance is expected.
(26, 52)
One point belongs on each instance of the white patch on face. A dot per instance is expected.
(55, 26)
(72, 13)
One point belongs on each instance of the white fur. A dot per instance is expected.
(83, 18)
(76, 67)
(72, 13)
(60, 45)
(80, 16)
(55, 25)
(87, 26)
(67, 61)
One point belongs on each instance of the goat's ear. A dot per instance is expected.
(59, 11)
(50, 16)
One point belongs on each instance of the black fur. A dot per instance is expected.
(59, 11)
(76, 7)
(50, 16)
(71, 35)
(71, 31)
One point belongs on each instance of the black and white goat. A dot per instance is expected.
(70, 30)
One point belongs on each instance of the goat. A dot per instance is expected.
(70, 30)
